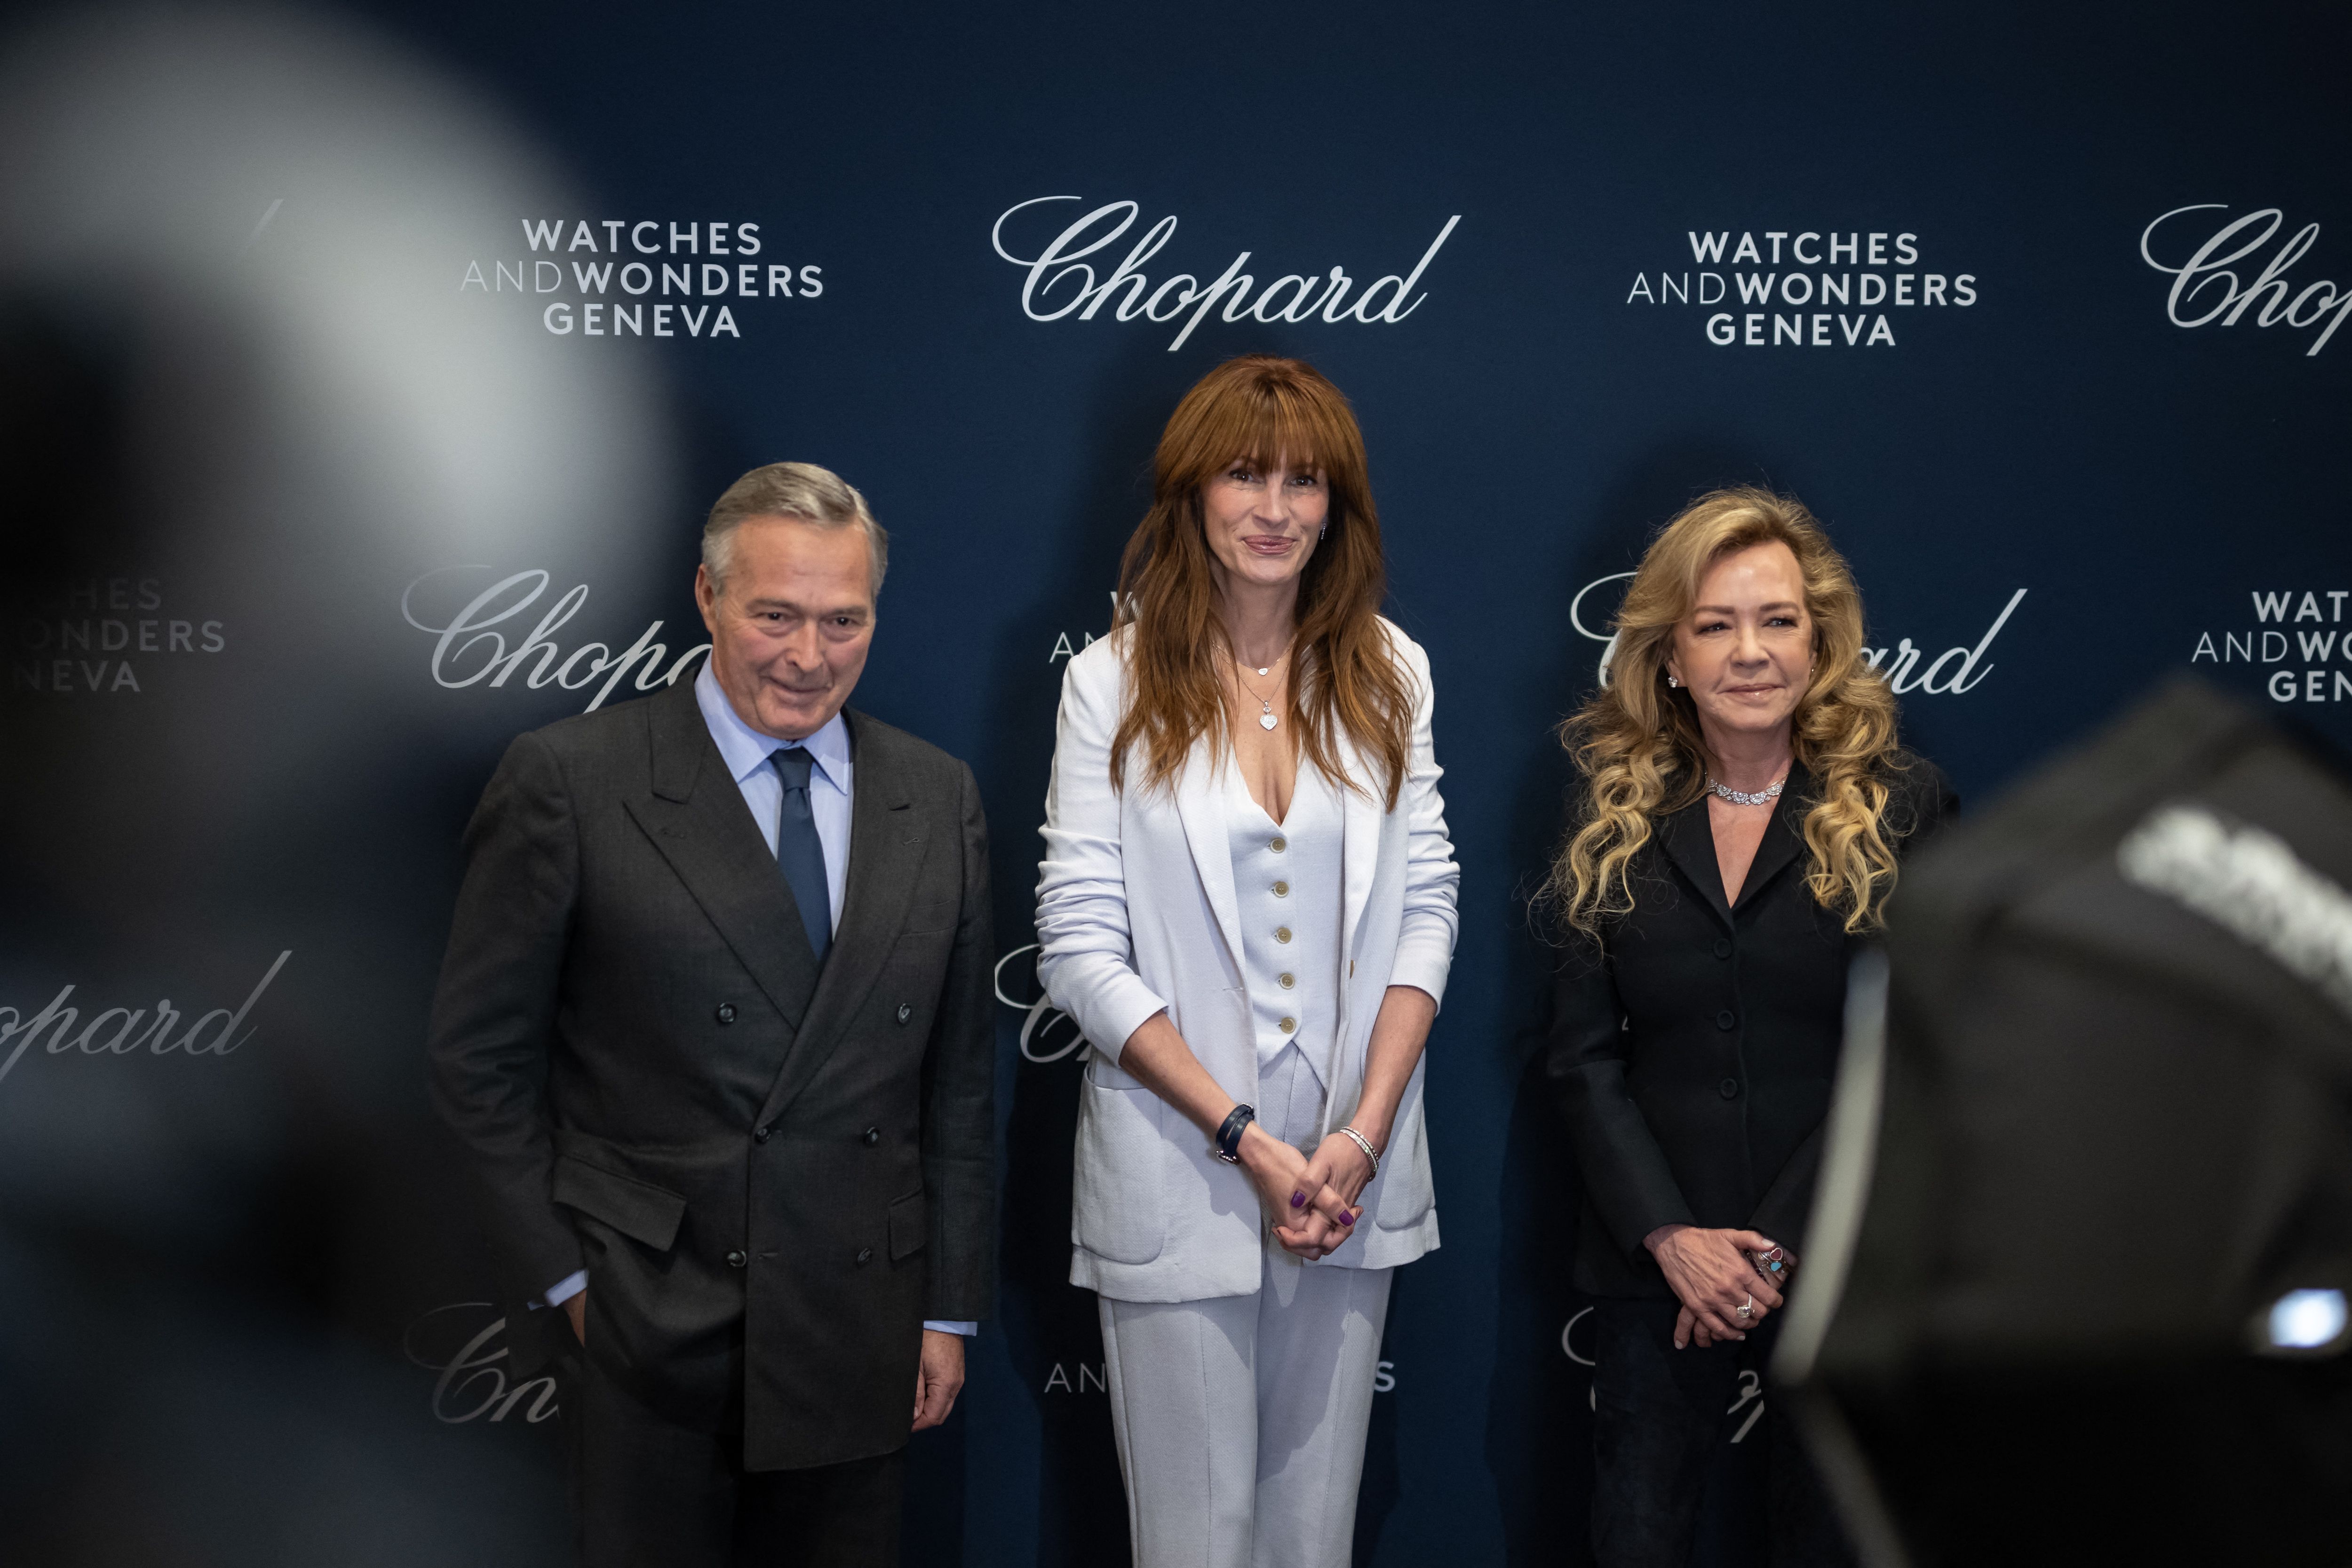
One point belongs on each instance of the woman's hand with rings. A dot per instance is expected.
(1711, 1276)
(1297, 1194)
(1776, 1266)
(1323, 1204)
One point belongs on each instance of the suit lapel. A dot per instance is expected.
(887, 843)
(1784, 838)
(1198, 787)
(1689, 843)
(1359, 845)
(696, 817)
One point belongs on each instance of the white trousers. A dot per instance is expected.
(1240, 1419)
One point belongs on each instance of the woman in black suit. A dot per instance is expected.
(1743, 807)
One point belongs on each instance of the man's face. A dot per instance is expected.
(790, 630)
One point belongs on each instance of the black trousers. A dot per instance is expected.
(1660, 1414)
(647, 1493)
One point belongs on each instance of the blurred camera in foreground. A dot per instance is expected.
(2084, 1234)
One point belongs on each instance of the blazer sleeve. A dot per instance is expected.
(1085, 953)
(959, 1095)
(1929, 806)
(494, 1010)
(1625, 1172)
(1426, 937)
(1788, 1205)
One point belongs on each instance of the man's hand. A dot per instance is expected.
(938, 1379)
(576, 1306)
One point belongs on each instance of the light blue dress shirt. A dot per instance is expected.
(746, 751)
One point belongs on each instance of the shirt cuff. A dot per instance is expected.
(563, 1290)
(967, 1330)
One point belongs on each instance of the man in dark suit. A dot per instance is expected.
(716, 1024)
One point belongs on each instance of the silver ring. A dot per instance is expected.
(1747, 1308)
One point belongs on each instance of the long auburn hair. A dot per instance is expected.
(1262, 410)
(1638, 744)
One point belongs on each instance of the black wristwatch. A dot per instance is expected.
(1229, 1133)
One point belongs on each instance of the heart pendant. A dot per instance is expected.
(1266, 721)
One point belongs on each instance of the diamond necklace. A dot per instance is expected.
(1742, 797)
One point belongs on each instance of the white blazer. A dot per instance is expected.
(1137, 914)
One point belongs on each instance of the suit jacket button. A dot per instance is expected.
(870, 1137)
(738, 1258)
(864, 1255)
(1723, 947)
(906, 1011)
(1725, 1019)
(761, 1134)
(727, 1012)
(1730, 1088)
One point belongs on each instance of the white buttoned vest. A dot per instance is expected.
(1286, 882)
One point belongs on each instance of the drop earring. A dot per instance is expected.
(1322, 534)
(1672, 681)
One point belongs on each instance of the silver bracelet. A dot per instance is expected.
(1365, 1145)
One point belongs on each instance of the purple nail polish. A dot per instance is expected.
(1347, 1219)
(1297, 1200)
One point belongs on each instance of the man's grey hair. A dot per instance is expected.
(801, 491)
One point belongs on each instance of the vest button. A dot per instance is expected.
(1729, 1087)
(1288, 981)
(1279, 844)
(761, 1134)
(726, 1012)
(1289, 1026)
(1723, 947)
(870, 1137)
(865, 1256)
(1282, 890)
(738, 1260)
(1282, 934)
(1725, 1019)
(906, 1011)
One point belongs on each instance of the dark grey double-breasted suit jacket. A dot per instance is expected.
(773, 1173)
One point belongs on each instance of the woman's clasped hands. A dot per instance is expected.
(1714, 1274)
(1312, 1200)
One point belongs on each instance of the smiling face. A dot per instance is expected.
(1745, 652)
(1261, 522)
(791, 627)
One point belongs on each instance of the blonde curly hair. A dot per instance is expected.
(1638, 744)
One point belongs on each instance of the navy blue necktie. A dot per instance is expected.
(800, 854)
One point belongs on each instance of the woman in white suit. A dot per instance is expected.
(1247, 903)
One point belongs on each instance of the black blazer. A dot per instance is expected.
(772, 1174)
(1692, 1046)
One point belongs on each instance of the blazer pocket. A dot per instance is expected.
(638, 1210)
(1119, 1208)
(910, 1226)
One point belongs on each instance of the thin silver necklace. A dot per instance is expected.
(1265, 719)
(1765, 796)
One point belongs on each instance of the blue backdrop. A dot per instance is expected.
(2035, 307)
